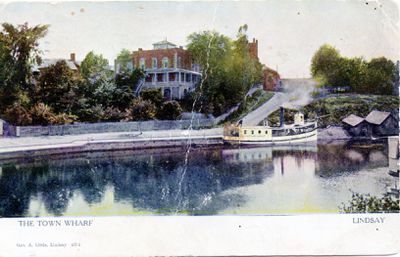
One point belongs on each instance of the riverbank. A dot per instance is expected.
(26, 147)
(38, 146)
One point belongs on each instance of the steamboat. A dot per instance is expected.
(299, 132)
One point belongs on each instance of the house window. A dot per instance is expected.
(142, 63)
(154, 63)
(245, 132)
(259, 132)
(179, 62)
(252, 132)
(266, 132)
(165, 62)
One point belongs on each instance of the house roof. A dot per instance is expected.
(164, 42)
(48, 62)
(377, 117)
(353, 120)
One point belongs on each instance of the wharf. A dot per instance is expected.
(38, 146)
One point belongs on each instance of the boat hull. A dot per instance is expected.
(300, 139)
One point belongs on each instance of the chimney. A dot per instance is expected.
(72, 57)
(281, 116)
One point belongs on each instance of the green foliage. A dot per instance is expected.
(361, 203)
(140, 110)
(19, 50)
(153, 95)
(228, 69)
(170, 110)
(332, 70)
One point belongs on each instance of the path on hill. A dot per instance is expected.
(295, 91)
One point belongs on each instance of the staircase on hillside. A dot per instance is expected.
(139, 86)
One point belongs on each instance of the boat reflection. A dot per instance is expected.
(220, 180)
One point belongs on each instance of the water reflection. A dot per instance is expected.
(248, 180)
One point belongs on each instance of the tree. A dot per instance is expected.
(58, 87)
(19, 50)
(170, 110)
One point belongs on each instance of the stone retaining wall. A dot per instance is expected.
(104, 127)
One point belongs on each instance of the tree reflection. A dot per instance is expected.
(158, 182)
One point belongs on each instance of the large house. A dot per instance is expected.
(168, 67)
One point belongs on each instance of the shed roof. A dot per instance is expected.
(377, 117)
(353, 120)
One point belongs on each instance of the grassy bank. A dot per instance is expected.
(331, 110)
(251, 103)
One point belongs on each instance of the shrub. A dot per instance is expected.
(170, 110)
(361, 203)
(91, 114)
(17, 115)
(42, 115)
(140, 110)
(153, 95)
(64, 118)
(112, 114)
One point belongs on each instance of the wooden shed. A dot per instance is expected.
(356, 126)
(382, 123)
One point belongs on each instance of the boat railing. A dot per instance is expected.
(294, 130)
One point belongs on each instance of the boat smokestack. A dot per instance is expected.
(281, 116)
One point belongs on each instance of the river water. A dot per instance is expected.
(267, 180)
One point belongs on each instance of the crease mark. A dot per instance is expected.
(190, 128)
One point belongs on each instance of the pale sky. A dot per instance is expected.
(288, 32)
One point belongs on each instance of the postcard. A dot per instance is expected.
(199, 128)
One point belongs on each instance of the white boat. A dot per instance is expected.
(298, 133)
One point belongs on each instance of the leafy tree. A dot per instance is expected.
(58, 87)
(124, 61)
(325, 62)
(228, 69)
(19, 50)
(170, 110)
(141, 110)
(379, 76)
(95, 67)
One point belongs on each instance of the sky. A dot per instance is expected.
(288, 31)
